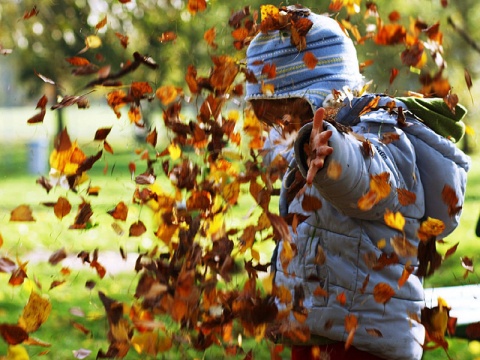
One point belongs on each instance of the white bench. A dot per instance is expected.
(464, 302)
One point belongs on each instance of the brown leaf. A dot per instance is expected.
(137, 229)
(57, 256)
(152, 137)
(311, 203)
(62, 207)
(406, 197)
(78, 61)
(13, 334)
(167, 36)
(83, 216)
(7, 265)
(102, 133)
(120, 212)
(450, 198)
(21, 213)
(31, 13)
(382, 293)
(39, 117)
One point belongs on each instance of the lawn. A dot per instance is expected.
(77, 308)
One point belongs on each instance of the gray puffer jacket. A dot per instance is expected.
(338, 246)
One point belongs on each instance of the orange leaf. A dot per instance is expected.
(78, 61)
(120, 212)
(407, 270)
(167, 94)
(123, 39)
(450, 198)
(21, 213)
(406, 197)
(195, 6)
(342, 298)
(62, 207)
(430, 228)
(382, 293)
(209, 36)
(167, 36)
(269, 69)
(101, 23)
(319, 291)
(310, 60)
(351, 323)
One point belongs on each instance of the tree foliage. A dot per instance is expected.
(142, 53)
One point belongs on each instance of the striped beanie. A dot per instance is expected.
(336, 68)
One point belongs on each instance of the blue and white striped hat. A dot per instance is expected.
(336, 68)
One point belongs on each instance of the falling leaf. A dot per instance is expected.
(120, 212)
(209, 36)
(394, 220)
(450, 198)
(93, 42)
(31, 13)
(101, 23)
(167, 36)
(310, 60)
(167, 94)
(195, 6)
(430, 228)
(102, 133)
(62, 207)
(403, 247)
(382, 293)
(270, 70)
(406, 197)
(407, 270)
(123, 39)
(35, 313)
(137, 229)
(351, 324)
(22, 213)
(311, 203)
(57, 256)
(342, 298)
(13, 334)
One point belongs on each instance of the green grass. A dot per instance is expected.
(48, 234)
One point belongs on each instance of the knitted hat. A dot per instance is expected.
(336, 68)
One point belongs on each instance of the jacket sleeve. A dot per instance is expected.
(357, 169)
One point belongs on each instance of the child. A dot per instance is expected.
(346, 179)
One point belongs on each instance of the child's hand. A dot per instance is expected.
(319, 148)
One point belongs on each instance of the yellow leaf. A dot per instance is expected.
(17, 352)
(175, 151)
(93, 42)
(334, 170)
(429, 228)
(380, 185)
(268, 10)
(394, 220)
(35, 313)
(381, 243)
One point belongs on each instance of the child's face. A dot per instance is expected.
(290, 113)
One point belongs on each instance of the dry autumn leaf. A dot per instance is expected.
(394, 220)
(22, 213)
(62, 207)
(382, 293)
(35, 313)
